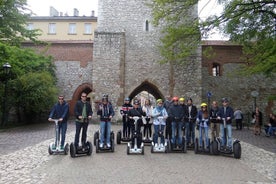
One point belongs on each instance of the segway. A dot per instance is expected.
(132, 146)
(146, 139)
(217, 149)
(173, 147)
(85, 149)
(119, 137)
(159, 148)
(54, 147)
(203, 149)
(97, 141)
(190, 146)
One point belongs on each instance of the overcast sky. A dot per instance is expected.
(85, 7)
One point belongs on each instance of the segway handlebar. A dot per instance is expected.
(54, 120)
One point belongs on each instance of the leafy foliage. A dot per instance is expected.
(251, 24)
(13, 17)
(181, 36)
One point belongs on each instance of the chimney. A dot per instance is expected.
(53, 12)
(92, 13)
(76, 12)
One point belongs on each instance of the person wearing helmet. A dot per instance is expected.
(176, 114)
(136, 111)
(213, 115)
(105, 112)
(126, 107)
(226, 113)
(190, 113)
(203, 123)
(182, 102)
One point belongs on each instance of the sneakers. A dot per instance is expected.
(62, 148)
(54, 147)
(161, 146)
(108, 145)
(101, 145)
(156, 145)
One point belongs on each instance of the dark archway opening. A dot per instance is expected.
(146, 87)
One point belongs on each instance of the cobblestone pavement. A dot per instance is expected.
(24, 159)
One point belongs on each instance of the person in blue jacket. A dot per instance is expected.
(226, 113)
(176, 113)
(60, 111)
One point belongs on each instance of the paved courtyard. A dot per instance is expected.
(24, 158)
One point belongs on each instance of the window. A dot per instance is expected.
(30, 26)
(216, 69)
(72, 28)
(147, 25)
(87, 28)
(52, 28)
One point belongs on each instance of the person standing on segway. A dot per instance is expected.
(226, 114)
(60, 111)
(83, 113)
(190, 113)
(176, 113)
(136, 111)
(105, 112)
(158, 111)
(148, 124)
(213, 115)
(203, 123)
(126, 107)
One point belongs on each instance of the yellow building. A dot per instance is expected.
(64, 27)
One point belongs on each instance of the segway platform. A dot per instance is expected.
(55, 147)
(120, 139)
(104, 148)
(216, 148)
(85, 149)
(203, 149)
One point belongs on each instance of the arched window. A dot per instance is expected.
(147, 25)
(216, 69)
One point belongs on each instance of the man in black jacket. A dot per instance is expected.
(190, 113)
(83, 113)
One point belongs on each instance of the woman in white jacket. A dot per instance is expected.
(159, 111)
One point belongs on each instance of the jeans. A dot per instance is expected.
(203, 130)
(79, 126)
(105, 128)
(190, 132)
(62, 128)
(156, 133)
(271, 130)
(126, 127)
(228, 133)
(176, 128)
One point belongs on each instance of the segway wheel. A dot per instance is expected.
(196, 146)
(112, 145)
(237, 150)
(50, 150)
(184, 145)
(143, 150)
(214, 148)
(118, 138)
(97, 145)
(128, 150)
(96, 136)
(66, 149)
(112, 135)
(151, 149)
(169, 146)
(90, 148)
(72, 150)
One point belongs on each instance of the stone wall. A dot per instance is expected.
(125, 55)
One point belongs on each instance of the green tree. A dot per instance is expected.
(251, 24)
(13, 17)
(31, 85)
(31, 88)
